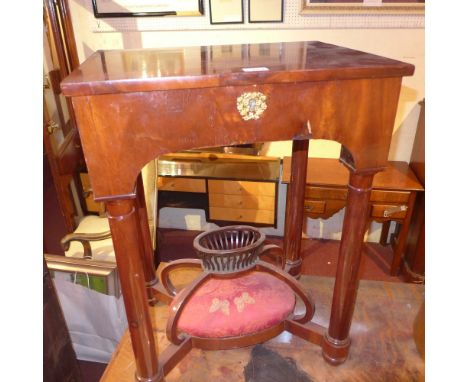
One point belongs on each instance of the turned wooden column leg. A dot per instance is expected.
(295, 207)
(147, 253)
(335, 346)
(125, 227)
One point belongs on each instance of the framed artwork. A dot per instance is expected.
(265, 11)
(139, 8)
(226, 12)
(362, 6)
(100, 276)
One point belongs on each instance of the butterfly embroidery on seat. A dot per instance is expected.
(217, 304)
(242, 300)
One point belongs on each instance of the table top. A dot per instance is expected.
(120, 71)
(330, 172)
(382, 334)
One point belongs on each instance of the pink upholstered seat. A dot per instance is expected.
(244, 305)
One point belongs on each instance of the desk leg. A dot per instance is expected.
(125, 227)
(402, 237)
(147, 254)
(295, 207)
(335, 346)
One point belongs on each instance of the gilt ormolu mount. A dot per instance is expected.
(126, 116)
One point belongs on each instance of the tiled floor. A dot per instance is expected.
(319, 259)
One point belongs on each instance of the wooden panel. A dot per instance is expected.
(242, 215)
(181, 184)
(378, 211)
(256, 202)
(326, 193)
(330, 172)
(241, 187)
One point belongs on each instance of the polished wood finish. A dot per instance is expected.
(294, 205)
(128, 113)
(336, 341)
(383, 344)
(124, 222)
(392, 198)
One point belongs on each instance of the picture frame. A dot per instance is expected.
(266, 11)
(226, 12)
(310, 7)
(137, 8)
(100, 276)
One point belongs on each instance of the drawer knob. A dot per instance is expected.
(251, 105)
(393, 210)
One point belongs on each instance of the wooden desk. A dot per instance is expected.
(232, 189)
(133, 106)
(384, 348)
(392, 198)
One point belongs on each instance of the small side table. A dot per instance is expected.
(392, 198)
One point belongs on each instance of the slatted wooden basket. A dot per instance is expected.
(229, 249)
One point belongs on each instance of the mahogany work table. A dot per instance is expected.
(392, 198)
(132, 106)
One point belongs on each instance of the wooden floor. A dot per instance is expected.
(383, 346)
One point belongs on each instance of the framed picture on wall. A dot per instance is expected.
(265, 11)
(362, 6)
(139, 8)
(226, 12)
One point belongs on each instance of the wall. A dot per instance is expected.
(398, 43)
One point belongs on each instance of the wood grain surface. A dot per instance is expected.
(383, 348)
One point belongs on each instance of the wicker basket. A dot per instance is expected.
(229, 249)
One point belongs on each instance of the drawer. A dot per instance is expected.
(388, 211)
(314, 206)
(255, 202)
(380, 196)
(181, 184)
(242, 215)
(232, 187)
(313, 192)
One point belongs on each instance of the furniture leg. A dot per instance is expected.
(402, 238)
(295, 207)
(335, 346)
(146, 253)
(384, 233)
(125, 227)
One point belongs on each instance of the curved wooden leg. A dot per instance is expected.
(336, 342)
(125, 228)
(176, 310)
(172, 266)
(295, 286)
(295, 207)
(146, 252)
